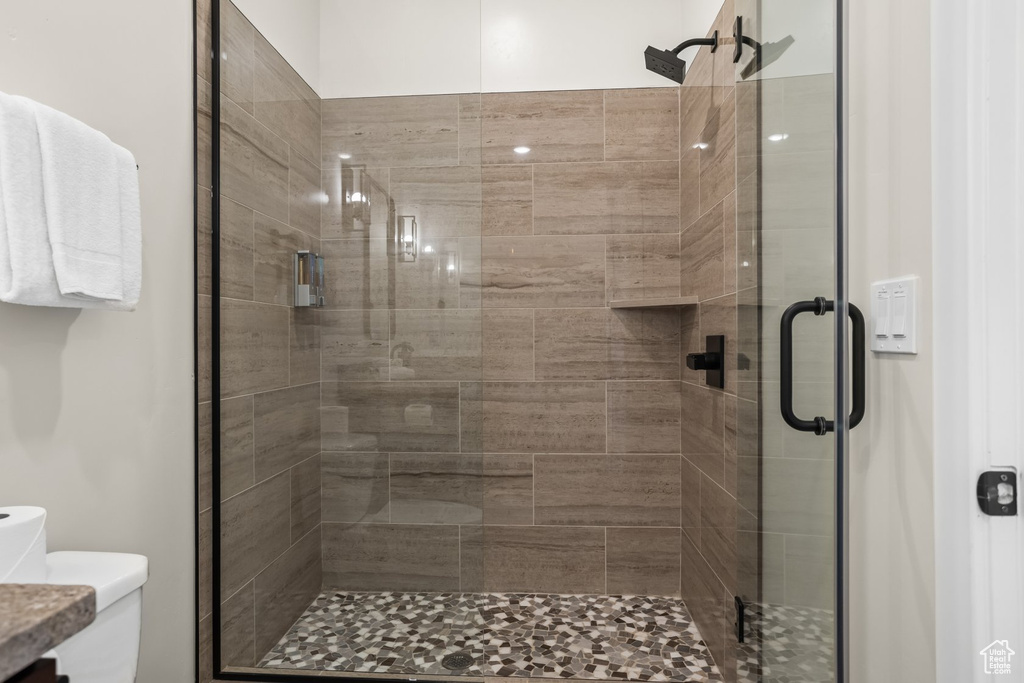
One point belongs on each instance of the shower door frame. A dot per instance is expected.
(842, 353)
(841, 329)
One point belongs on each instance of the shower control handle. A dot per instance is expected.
(712, 361)
(820, 425)
(703, 361)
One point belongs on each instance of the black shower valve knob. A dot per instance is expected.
(704, 361)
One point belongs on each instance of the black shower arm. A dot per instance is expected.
(693, 42)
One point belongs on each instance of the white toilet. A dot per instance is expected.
(107, 651)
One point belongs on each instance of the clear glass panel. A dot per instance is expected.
(786, 126)
(350, 470)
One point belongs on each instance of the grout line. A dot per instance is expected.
(254, 613)
(533, 493)
(604, 124)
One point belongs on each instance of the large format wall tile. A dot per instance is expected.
(284, 102)
(641, 124)
(427, 282)
(809, 571)
(543, 272)
(392, 131)
(643, 266)
(391, 557)
(644, 417)
(287, 428)
(606, 198)
(533, 559)
(306, 495)
(355, 487)
(238, 620)
(339, 219)
(237, 458)
(703, 425)
(446, 201)
(356, 273)
(603, 344)
(436, 345)
(542, 417)
(285, 589)
(643, 561)
(436, 488)
(409, 417)
(237, 37)
(275, 247)
(695, 107)
(689, 185)
(355, 345)
(718, 159)
(718, 531)
(236, 250)
(702, 256)
(253, 163)
(305, 198)
(607, 490)
(690, 520)
(507, 200)
(556, 126)
(254, 347)
(507, 349)
(304, 358)
(255, 529)
(461, 489)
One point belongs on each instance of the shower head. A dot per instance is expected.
(667, 63)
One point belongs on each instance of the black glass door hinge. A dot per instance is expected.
(741, 617)
(997, 493)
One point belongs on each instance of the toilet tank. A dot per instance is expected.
(107, 651)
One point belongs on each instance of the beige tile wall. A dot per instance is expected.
(506, 430)
(714, 270)
(270, 352)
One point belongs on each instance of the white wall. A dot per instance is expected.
(892, 518)
(411, 47)
(293, 27)
(583, 44)
(95, 407)
(399, 47)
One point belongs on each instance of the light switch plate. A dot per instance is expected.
(893, 326)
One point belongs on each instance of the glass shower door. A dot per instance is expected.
(789, 607)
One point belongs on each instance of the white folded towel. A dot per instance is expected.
(27, 272)
(81, 188)
(26, 265)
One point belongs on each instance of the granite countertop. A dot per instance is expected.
(35, 618)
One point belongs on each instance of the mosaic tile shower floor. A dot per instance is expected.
(556, 636)
(786, 645)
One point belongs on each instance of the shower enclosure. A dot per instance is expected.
(545, 415)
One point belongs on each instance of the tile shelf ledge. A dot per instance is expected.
(655, 303)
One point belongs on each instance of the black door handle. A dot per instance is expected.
(820, 425)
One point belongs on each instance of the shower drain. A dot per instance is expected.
(457, 661)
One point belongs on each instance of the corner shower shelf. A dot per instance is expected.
(655, 303)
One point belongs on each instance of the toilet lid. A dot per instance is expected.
(113, 575)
